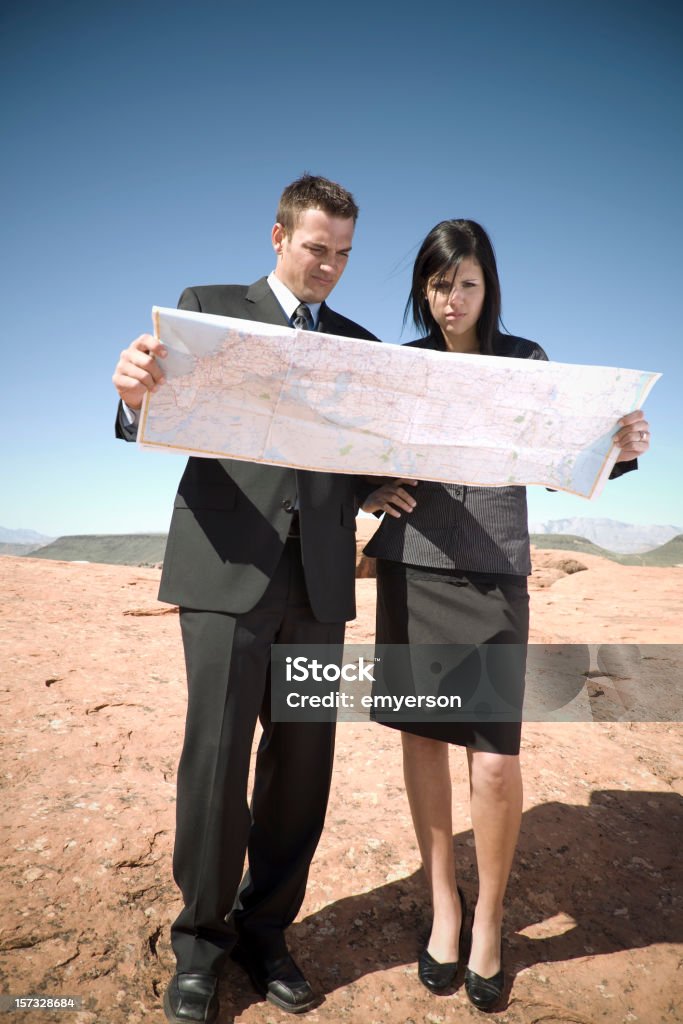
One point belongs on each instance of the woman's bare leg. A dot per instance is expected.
(428, 785)
(496, 808)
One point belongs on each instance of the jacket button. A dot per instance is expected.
(288, 505)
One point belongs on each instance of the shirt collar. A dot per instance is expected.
(289, 301)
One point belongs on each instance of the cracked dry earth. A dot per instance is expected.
(92, 700)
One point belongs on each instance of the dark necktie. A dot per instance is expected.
(301, 318)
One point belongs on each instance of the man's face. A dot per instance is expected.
(312, 259)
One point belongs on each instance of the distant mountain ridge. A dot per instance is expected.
(18, 549)
(23, 537)
(149, 549)
(110, 549)
(665, 556)
(611, 534)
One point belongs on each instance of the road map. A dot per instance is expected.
(237, 389)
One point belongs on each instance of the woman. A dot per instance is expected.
(452, 567)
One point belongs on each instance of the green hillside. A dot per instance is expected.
(111, 549)
(668, 554)
(568, 542)
(148, 549)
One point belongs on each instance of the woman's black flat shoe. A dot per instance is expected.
(437, 976)
(434, 975)
(485, 993)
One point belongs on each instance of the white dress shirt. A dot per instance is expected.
(289, 301)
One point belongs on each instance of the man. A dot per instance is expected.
(256, 555)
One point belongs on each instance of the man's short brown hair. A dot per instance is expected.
(310, 192)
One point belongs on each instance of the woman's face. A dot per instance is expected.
(456, 303)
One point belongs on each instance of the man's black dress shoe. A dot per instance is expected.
(485, 993)
(437, 976)
(191, 999)
(278, 979)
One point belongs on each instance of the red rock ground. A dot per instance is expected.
(92, 699)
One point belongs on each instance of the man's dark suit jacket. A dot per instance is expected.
(230, 518)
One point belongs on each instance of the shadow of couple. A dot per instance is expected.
(586, 881)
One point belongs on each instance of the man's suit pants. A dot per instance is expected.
(228, 672)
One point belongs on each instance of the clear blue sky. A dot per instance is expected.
(147, 142)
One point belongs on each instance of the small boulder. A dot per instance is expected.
(570, 565)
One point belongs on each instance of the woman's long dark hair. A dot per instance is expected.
(441, 253)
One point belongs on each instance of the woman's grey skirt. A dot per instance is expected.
(467, 611)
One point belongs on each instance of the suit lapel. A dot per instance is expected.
(326, 319)
(266, 307)
(268, 310)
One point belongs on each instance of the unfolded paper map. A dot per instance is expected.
(244, 390)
